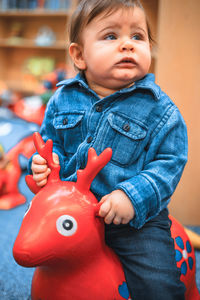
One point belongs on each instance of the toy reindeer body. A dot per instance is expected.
(73, 255)
(63, 237)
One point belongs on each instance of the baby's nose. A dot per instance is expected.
(127, 45)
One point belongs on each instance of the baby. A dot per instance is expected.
(114, 102)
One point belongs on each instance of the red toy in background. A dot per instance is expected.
(16, 147)
(10, 173)
(32, 108)
(63, 237)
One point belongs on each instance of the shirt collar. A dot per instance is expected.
(147, 83)
(80, 79)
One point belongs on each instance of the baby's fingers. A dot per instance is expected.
(41, 178)
(108, 219)
(39, 164)
(39, 168)
(104, 209)
(117, 220)
(39, 160)
(42, 183)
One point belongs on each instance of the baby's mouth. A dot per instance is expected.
(126, 62)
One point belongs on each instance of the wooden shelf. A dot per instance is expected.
(17, 47)
(35, 13)
(26, 88)
(25, 43)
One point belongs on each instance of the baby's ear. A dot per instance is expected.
(76, 54)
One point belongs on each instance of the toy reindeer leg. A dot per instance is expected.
(44, 150)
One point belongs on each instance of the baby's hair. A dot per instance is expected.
(87, 10)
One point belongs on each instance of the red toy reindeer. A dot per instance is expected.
(63, 237)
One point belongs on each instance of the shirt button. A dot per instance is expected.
(126, 127)
(89, 139)
(99, 108)
(65, 121)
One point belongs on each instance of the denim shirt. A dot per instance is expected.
(143, 127)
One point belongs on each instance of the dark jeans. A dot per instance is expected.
(148, 259)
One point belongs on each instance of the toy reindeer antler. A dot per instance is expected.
(94, 164)
(44, 150)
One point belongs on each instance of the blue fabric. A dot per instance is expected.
(143, 127)
(148, 258)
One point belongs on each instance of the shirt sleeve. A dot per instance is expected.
(151, 189)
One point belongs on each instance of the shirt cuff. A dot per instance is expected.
(61, 159)
(144, 198)
(29, 165)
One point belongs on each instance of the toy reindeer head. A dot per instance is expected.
(62, 219)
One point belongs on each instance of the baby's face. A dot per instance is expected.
(116, 49)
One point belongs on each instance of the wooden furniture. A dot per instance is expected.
(14, 52)
(151, 8)
(176, 59)
(177, 72)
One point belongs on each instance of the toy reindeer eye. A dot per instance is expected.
(66, 225)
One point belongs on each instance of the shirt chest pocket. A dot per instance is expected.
(69, 128)
(125, 136)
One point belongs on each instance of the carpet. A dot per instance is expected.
(15, 281)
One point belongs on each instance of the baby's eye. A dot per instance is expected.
(110, 37)
(137, 37)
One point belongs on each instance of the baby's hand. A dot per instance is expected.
(40, 169)
(117, 208)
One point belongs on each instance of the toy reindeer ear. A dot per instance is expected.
(94, 164)
(44, 150)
